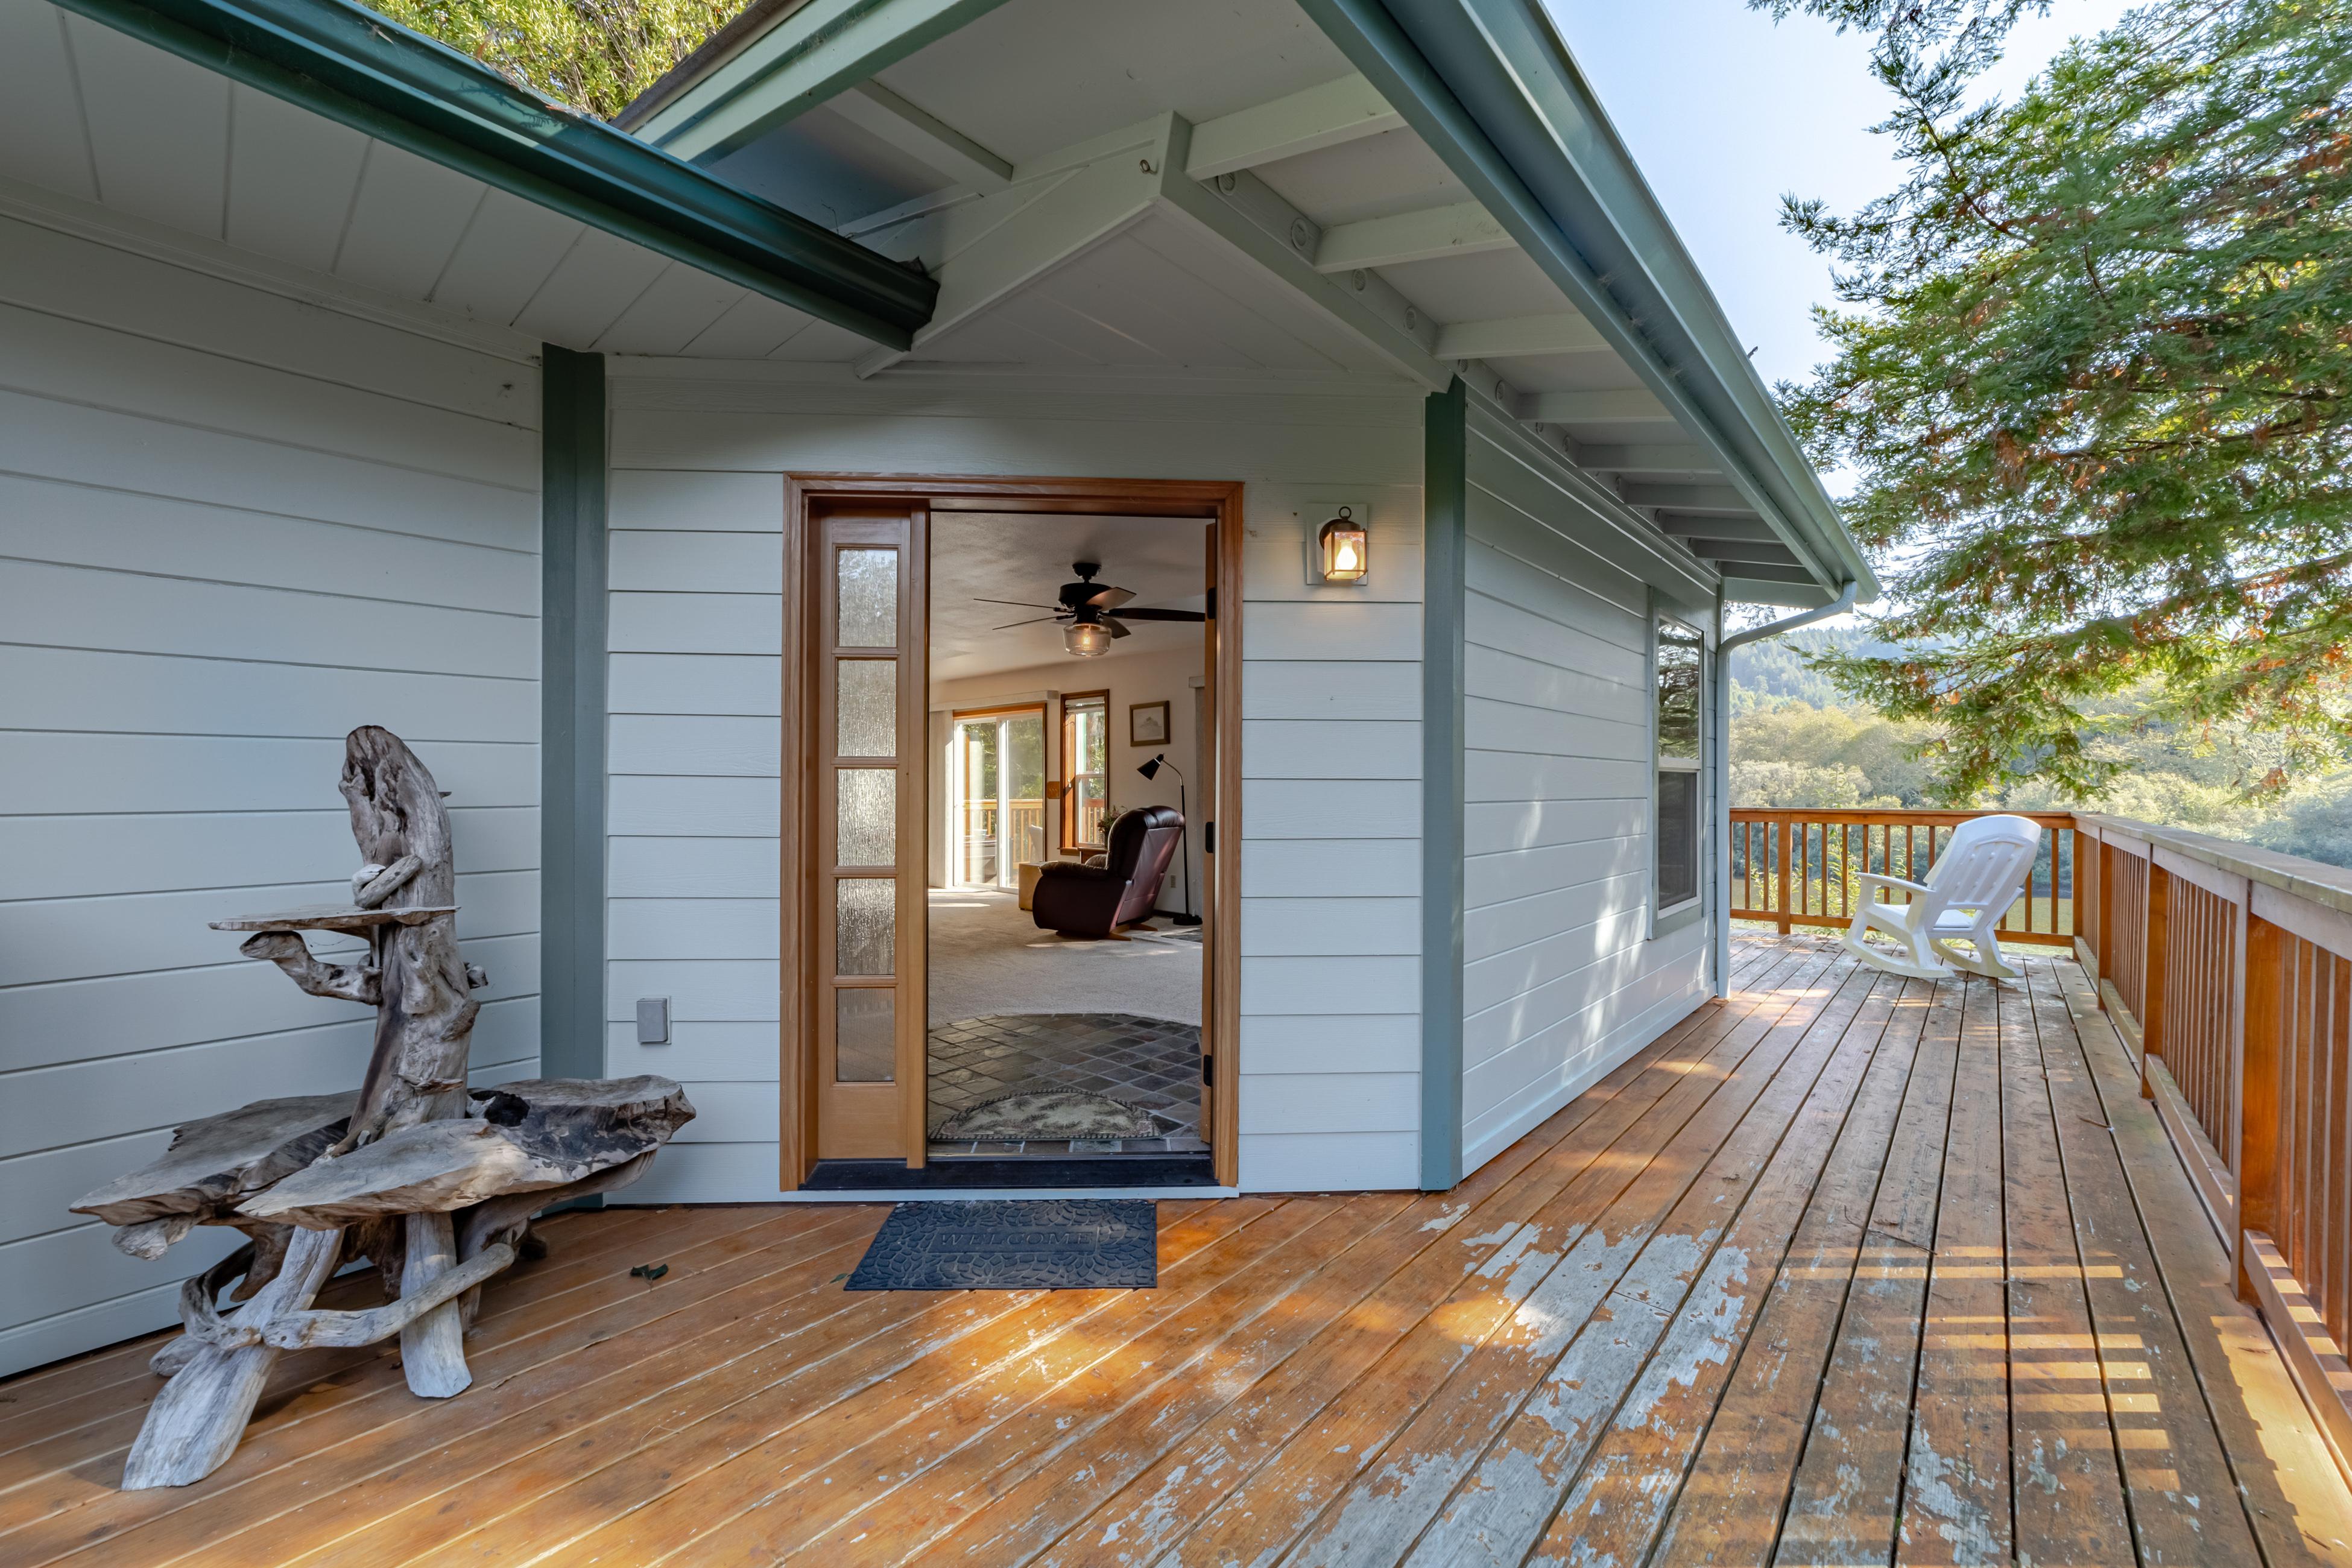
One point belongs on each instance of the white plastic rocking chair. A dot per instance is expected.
(1969, 888)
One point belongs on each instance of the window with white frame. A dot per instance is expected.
(1675, 676)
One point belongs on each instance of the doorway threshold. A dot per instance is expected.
(1125, 1171)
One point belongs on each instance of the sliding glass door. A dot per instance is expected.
(996, 790)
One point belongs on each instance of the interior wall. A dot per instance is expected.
(236, 526)
(1561, 978)
(1167, 675)
(1330, 1046)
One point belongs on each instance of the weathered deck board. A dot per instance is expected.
(1825, 1275)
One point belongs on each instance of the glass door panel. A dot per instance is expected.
(867, 629)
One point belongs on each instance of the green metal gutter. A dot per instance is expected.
(375, 76)
(1489, 86)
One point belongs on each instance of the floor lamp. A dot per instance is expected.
(1183, 846)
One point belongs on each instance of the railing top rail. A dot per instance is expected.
(2330, 886)
(1898, 815)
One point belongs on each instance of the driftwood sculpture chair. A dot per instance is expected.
(1968, 889)
(432, 1184)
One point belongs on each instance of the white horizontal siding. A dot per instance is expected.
(232, 528)
(1330, 869)
(1561, 978)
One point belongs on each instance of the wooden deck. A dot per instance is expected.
(1854, 1269)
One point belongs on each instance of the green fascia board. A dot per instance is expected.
(811, 53)
(1488, 85)
(360, 69)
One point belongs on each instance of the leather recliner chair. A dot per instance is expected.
(1096, 900)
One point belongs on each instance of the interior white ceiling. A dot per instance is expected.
(976, 555)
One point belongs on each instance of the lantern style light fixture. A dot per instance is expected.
(1344, 549)
(1088, 639)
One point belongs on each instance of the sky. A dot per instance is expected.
(1726, 109)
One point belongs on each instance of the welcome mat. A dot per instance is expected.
(1046, 1244)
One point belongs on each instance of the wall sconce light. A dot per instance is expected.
(1088, 639)
(1344, 549)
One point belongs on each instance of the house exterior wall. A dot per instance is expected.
(236, 525)
(1561, 977)
(1330, 1037)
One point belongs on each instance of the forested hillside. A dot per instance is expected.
(1795, 741)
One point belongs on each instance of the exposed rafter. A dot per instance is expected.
(1718, 500)
(1463, 229)
(1747, 551)
(1346, 110)
(1751, 527)
(1662, 459)
(1629, 406)
(922, 136)
(1565, 334)
(813, 54)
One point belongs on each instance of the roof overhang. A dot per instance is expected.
(358, 68)
(1491, 88)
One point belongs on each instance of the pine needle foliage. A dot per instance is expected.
(593, 55)
(2093, 376)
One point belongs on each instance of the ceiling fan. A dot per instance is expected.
(1086, 611)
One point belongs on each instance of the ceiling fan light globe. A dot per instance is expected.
(1086, 639)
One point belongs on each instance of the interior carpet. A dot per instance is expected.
(1051, 1244)
(1054, 1114)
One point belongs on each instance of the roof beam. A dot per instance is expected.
(812, 54)
(993, 246)
(931, 142)
(1719, 500)
(1517, 336)
(1463, 229)
(1629, 405)
(1337, 112)
(1250, 215)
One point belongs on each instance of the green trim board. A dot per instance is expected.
(808, 54)
(1488, 84)
(353, 66)
(571, 796)
(1445, 534)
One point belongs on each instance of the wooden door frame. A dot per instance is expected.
(1217, 502)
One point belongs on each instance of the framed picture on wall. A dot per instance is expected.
(1147, 724)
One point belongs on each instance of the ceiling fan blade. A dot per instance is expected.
(1108, 598)
(1021, 605)
(1117, 628)
(1141, 615)
(1039, 621)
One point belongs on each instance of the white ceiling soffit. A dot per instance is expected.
(1430, 282)
(107, 136)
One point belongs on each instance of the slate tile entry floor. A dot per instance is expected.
(1148, 1062)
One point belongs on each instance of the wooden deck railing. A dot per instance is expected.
(1803, 868)
(2227, 971)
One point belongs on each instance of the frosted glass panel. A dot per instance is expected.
(866, 911)
(866, 598)
(866, 708)
(864, 1035)
(865, 822)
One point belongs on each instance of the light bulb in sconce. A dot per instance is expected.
(1345, 549)
(1086, 639)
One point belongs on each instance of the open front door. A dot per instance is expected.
(866, 617)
